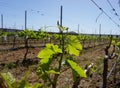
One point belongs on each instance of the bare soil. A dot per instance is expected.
(90, 55)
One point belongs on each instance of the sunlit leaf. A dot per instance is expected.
(53, 72)
(56, 49)
(73, 45)
(72, 50)
(45, 53)
(62, 28)
(113, 42)
(75, 42)
(48, 52)
(76, 68)
(9, 79)
(38, 85)
(118, 45)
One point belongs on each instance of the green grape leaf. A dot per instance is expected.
(38, 85)
(48, 52)
(53, 72)
(118, 45)
(93, 69)
(22, 84)
(75, 42)
(56, 49)
(113, 42)
(76, 68)
(72, 50)
(73, 45)
(44, 61)
(9, 79)
(62, 28)
(45, 53)
(56, 36)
